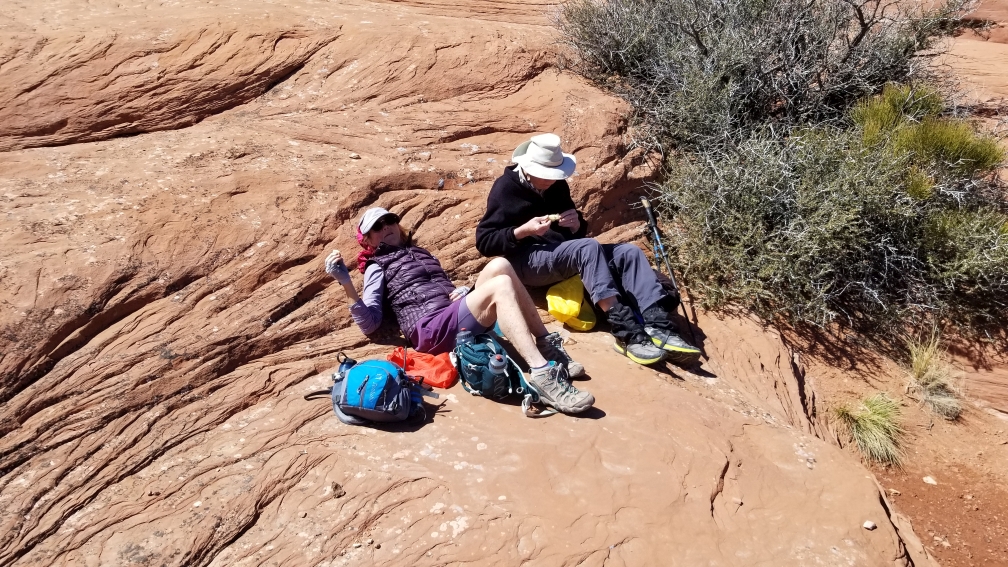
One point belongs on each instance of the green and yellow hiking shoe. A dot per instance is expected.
(641, 352)
(678, 350)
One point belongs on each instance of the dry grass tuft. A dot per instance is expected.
(931, 377)
(874, 427)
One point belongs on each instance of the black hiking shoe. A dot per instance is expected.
(677, 350)
(641, 352)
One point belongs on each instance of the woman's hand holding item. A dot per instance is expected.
(335, 267)
(536, 226)
(569, 219)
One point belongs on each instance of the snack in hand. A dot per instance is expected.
(553, 218)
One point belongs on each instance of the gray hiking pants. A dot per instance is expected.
(605, 269)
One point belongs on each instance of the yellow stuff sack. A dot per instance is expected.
(565, 302)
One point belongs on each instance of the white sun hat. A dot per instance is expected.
(371, 216)
(542, 157)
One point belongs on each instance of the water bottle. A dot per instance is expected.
(346, 363)
(464, 336)
(497, 364)
(498, 369)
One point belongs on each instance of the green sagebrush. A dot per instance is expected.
(907, 118)
(831, 225)
(790, 190)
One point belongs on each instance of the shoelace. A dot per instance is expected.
(565, 385)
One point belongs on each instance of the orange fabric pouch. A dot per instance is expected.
(436, 371)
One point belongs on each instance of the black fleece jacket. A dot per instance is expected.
(511, 204)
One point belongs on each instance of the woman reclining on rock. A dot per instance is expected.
(431, 310)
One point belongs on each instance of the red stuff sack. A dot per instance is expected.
(436, 371)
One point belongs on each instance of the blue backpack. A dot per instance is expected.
(374, 391)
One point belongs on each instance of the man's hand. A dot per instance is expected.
(335, 267)
(536, 226)
(569, 219)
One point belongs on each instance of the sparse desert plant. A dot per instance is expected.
(702, 72)
(949, 156)
(950, 144)
(931, 376)
(873, 425)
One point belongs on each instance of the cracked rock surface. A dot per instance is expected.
(164, 310)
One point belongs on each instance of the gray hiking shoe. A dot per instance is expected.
(551, 347)
(556, 391)
(678, 350)
(640, 351)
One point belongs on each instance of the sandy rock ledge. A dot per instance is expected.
(165, 310)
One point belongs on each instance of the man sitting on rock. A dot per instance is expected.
(531, 220)
(431, 311)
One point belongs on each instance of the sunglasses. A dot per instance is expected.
(381, 223)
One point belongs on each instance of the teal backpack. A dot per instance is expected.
(472, 358)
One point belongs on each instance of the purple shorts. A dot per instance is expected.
(435, 333)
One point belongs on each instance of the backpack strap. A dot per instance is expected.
(328, 391)
(527, 407)
(318, 394)
(530, 397)
(465, 385)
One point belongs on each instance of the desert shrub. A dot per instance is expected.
(811, 176)
(967, 256)
(873, 425)
(701, 72)
(931, 376)
(795, 229)
(821, 228)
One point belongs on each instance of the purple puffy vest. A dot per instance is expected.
(415, 283)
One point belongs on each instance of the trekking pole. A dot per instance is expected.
(659, 250)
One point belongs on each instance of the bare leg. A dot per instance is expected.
(607, 303)
(501, 267)
(496, 299)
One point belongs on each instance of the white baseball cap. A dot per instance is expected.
(371, 216)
